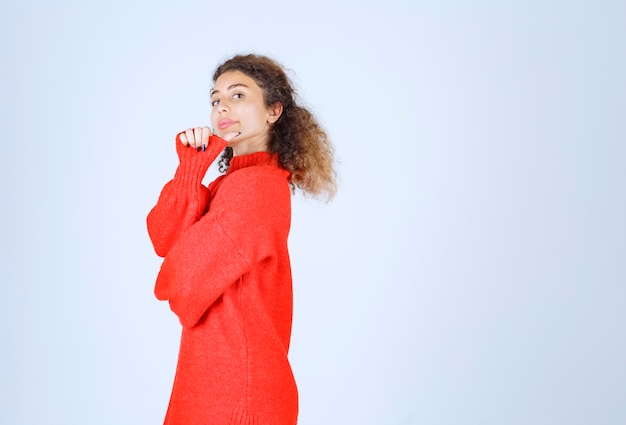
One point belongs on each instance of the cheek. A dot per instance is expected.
(214, 118)
(256, 116)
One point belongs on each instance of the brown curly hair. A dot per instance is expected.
(302, 145)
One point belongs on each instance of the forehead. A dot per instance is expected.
(232, 78)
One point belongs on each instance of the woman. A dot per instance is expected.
(226, 271)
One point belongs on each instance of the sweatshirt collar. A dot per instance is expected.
(251, 160)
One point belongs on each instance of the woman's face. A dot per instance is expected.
(239, 113)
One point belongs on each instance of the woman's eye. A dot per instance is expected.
(238, 96)
(215, 102)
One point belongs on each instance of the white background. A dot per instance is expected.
(471, 270)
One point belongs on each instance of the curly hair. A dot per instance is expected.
(302, 145)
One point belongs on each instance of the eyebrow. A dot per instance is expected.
(232, 86)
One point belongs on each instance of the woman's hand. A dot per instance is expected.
(196, 137)
(199, 137)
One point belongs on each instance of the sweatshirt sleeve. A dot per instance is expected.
(247, 223)
(184, 199)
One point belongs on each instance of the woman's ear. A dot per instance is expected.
(274, 112)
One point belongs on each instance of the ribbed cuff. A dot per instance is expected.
(193, 163)
(241, 417)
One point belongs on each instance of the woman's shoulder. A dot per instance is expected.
(256, 183)
(261, 194)
(261, 175)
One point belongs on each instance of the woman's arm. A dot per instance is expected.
(248, 222)
(183, 200)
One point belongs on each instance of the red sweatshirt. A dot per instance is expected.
(227, 276)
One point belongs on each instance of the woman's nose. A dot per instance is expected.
(222, 107)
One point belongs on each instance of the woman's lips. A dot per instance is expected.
(225, 123)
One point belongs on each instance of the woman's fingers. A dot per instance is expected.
(230, 136)
(206, 132)
(191, 140)
(197, 137)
